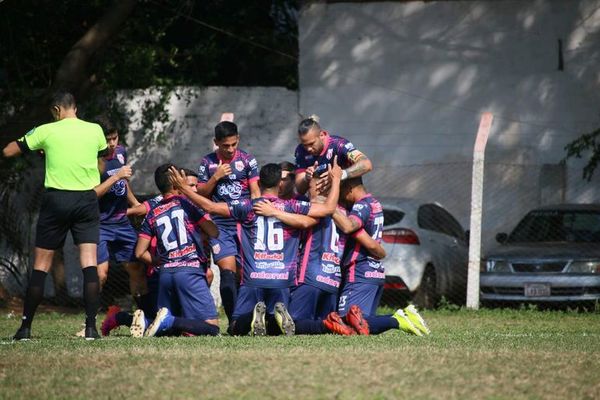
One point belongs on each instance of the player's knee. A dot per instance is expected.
(227, 264)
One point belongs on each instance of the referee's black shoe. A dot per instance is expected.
(23, 334)
(91, 333)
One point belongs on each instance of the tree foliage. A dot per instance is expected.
(97, 48)
(162, 44)
(586, 143)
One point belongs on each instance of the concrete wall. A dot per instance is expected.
(267, 118)
(407, 82)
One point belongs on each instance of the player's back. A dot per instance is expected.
(174, 221)
(361, 265)
(71, 148)
(269, 247)
(321, 257)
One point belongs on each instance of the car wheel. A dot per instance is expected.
(426, 295)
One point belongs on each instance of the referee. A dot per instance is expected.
(71, 147)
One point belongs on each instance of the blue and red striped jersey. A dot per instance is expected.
(175, 221)
(269, 247)
(359, 265)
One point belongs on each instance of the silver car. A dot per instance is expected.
(552, 256)
(427, 252)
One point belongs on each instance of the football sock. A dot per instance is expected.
(241, 325)
(34, 296)
(381, 323)
(195, 327)
(310, 327)
(145, 304)
(91, 295)
(124, 318)
(228, 289)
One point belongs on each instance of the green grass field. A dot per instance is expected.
(489, 354)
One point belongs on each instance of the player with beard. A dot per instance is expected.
(317, 149)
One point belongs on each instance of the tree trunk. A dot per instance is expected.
(72, 73)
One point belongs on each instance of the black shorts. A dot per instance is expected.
(64, 210)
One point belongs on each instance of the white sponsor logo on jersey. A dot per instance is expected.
(329, 154)
(119, 188)
(121, 158)
(239, 165)
(216, 248)
(349, 146)
(233, 190)
(253, 163)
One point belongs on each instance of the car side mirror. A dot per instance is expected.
(501, 238)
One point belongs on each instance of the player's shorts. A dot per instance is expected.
(63, 211)
(248, 297)
(309, 302)
(117, 240)
(185, 289)
(365, 295)
(226, 244)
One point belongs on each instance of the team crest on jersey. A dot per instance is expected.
(121, 158)
(239, 165)
(216, 248)
(329, 154)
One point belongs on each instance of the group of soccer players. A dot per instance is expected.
(297, 245)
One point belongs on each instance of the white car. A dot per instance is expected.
(427, 252)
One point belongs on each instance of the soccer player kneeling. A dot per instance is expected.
(178, 225)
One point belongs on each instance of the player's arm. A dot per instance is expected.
(206, 188)
(131, 199)
(138, 210)
(298, 221)
(254, 189)
(123, 173)
(360, 165)
(209, 228)
(303, 178)
(345, 224)
(328, 208)
(177, 179)
(142, 251)
(373, 247)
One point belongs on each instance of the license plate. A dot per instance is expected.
(537, 289)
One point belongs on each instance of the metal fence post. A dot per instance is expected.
(476, 204)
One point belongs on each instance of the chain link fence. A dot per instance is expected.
(533, 250)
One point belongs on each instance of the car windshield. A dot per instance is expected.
(558, 226)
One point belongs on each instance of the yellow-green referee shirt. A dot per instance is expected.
(71, 147)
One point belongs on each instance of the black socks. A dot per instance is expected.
(91, 295)
(34, 296)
